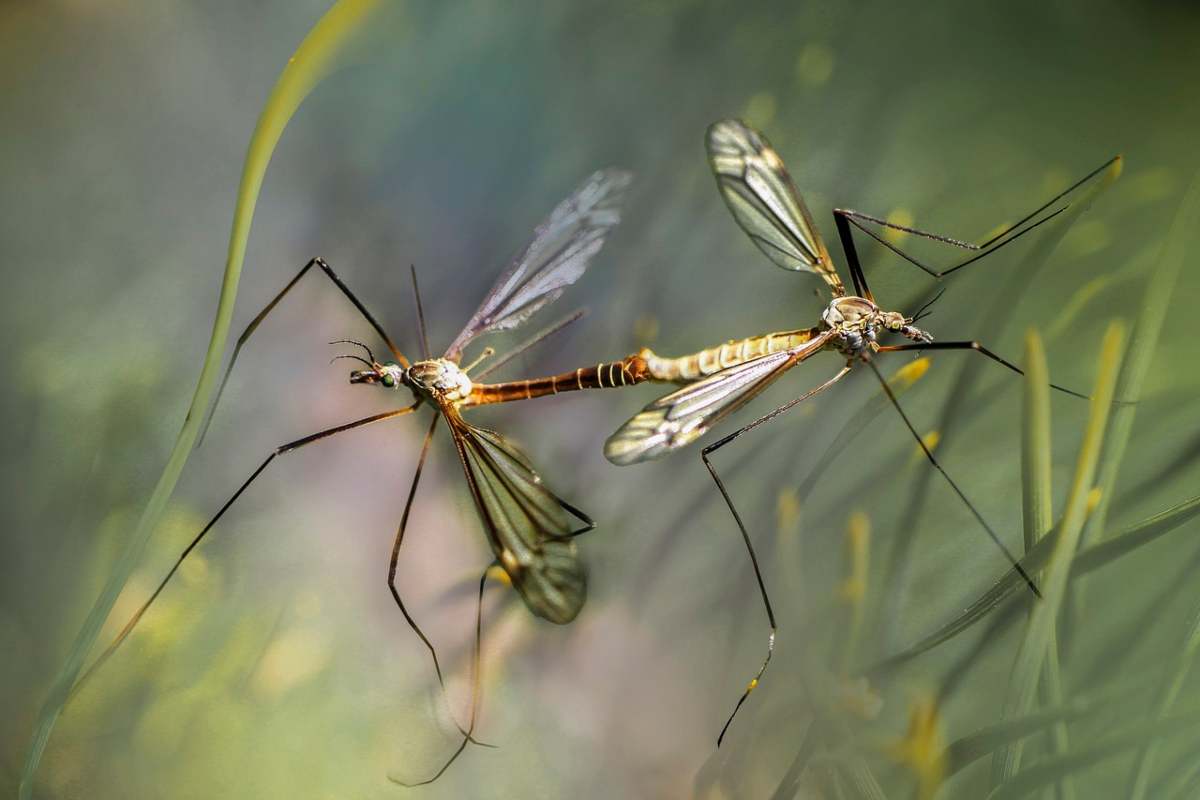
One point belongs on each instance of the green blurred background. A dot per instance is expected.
(277, 665)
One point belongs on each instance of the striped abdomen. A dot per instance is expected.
(609, 375)
(736, 351)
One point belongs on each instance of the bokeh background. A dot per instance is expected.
(277, 666)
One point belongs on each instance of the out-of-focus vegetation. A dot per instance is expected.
(277, 665)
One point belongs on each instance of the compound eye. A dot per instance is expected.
(388, 380)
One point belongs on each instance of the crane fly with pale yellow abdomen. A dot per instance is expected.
(529, 529)
(760, 194)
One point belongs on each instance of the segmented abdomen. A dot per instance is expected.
(685, 369)
(608, 375)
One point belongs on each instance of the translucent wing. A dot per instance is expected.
(527, 527)
(679, 418)
(561, 249)
(758, 190)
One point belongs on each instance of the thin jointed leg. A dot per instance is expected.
(394, 561)
(1010, 233)
(978, 348)
(420, 312)
(468, 734)
(254, 323)
(589, 524)
(278, 451)
(1016, 565)
(762, 586)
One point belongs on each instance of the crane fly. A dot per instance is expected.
(530, 530)
(720, 380)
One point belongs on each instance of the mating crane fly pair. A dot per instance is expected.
(530, 529)
(760, 194)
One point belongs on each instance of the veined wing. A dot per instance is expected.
(764, 201)
(527, 527)
(679, 418)
(561, 249)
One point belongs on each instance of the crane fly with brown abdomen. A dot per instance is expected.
(762, 198)
(529, 529)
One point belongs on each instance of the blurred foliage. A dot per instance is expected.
(278, 667)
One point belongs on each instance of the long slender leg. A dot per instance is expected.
(961, 495)
(856, 271)
(399, 540)
(420, 312)
(278, 451)
(847, 217)
(978, 348)
(468, 734)
(254, 323)
(589, 524)
(762, 586)
(394, 560)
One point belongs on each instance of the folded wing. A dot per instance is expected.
(758, 190)
(679, 418)
(527, 527)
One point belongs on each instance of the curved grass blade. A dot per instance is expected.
(1031, 653)
(325, 49)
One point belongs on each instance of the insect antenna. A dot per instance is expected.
(358, 343)
(356, 358)
(420, 312)
(923, 311)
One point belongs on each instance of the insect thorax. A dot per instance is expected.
(439, 378)
(858, 323)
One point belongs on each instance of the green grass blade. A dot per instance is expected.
(1052, 769)
(968, 749)
(1144, 763)
(1127, 541)
(1037, 506)
(321, 52)
(1038, 517)
(1135, 536)
(1031, 654)
(1181, 240)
